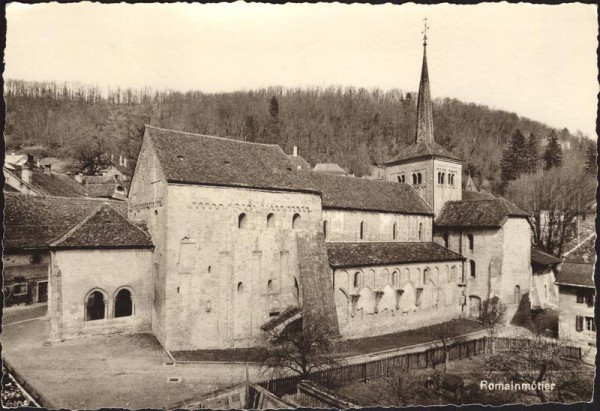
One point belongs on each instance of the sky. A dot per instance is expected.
(536, 60)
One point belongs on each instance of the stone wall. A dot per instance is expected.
(544, 293)
(77, 273)
(231, 262)
(344, 226)
(385, 299)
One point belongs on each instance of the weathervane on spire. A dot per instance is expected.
(424, 32)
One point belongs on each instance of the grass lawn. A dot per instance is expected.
(349, 348)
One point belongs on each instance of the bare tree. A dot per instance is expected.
(554, 198)
(301, 347)
(533, 360)
(92, 156)
(493, 315)
(444, 336)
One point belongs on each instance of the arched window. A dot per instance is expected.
(362, 230)
(357, 279)
(420, 231)
(473, 272)
(439, 178)
(296, 221)
(325, 228)
(394, 231)
(242, 220)
(414, 178)
(471, 241)
(270, 285)
(240, 287)
(453, 273)
(426, 275)
(446, 239)
(451, 179)
(517, 296)
(123, 303)
(443, 177)
(95, 306)
(270, 220)
(419, 178)
(395, 278)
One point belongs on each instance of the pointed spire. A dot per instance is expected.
(424, 130)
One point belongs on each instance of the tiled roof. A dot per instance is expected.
(476, 195)
(58, 185)
(584, 252)
(104, 228)
(329, 168)
(542, 258)
(423, 149)
(298, 161)
(576, 274)
(102, 186)
(367, 253)
(196, 159)
(353, 193)
(33, 222)
(477, 213)
(287, 314)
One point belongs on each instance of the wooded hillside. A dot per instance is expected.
(352, 127)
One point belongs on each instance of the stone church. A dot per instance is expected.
(243, 241)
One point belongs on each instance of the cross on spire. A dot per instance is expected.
(424, 32)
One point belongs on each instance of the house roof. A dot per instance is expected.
(284, 316)
(198, 159)
(376, 253)
(329, 168)
(104, 228)
(542, 258)
(298, 161)
(584, 252)
(351, 193)
(576, 274)
(35, 221)
(423, 149)
(478, 213)
(102, 186)
(58, 185)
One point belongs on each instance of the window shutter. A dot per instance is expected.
(579, 323)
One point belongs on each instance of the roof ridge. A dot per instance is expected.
(72, 230)
(214, 137)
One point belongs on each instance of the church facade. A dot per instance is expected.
(240, 238)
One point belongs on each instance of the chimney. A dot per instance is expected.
(48, 169)
(295, 153)
(79, 178)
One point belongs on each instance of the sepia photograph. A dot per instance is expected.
(277, 206)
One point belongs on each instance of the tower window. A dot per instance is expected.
(439, 178)
(325, 228)
(473, 272)
(242, 220)
(362, 230)
(394, 231)
(414, 178)
(419, 180)
(420, 231)
(517, 295)
(471, 241)
(240, 287)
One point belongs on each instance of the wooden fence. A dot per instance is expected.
(366, 371)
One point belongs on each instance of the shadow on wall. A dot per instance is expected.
(522, 316)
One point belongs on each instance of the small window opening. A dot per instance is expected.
(296, 221)
(242, 220)
(95, 306)
(394, 231)
(123, 304)
(357, 279)
(419, 178)
(362, 230)
(325, 228)
(420, 231)
(517, 295)
(270, 220)
(270, 285)
(240, 287)
(471, 241)
(473, 268)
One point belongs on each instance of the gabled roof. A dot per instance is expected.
(58, 185)
(374, 253)
(478, 213)
(576, 274)
(104, 228)
(329, 168)
(197, 159)
(351, 193)
(32, 222)
(542, 258)
(421, 150)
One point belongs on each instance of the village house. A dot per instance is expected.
(577, 295)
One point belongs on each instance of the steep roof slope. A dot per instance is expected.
(371, 253)
(32, 222)
(477, 213)
(542, 258)
(197, 159)
(577, 274)
(58, 185)
(341, 192)
(423, 149)
(104, 228)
